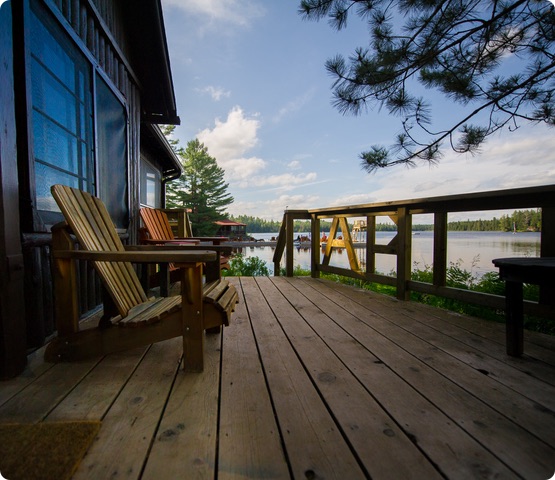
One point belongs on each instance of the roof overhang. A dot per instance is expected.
(150, 60)
(154, 140)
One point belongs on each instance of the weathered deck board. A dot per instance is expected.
(186, 440)
(456, 454)
(92, 398)
(250, 444)
(311, 380)
(123, 443)
(472, 409)
(312, 441)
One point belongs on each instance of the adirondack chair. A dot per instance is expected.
(158, 231)
(130, 318)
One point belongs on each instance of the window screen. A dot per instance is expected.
(61, 112)
(150, 185)
(67, 107)
(111, 136)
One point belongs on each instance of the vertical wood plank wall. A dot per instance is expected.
(96, 26)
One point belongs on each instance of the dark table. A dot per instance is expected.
(515, 272)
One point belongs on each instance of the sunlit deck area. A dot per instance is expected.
(311, 380)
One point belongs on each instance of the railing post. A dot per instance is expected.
(404, 229)
(288, 244)
(315, 247)
(547, 249)
(370, 242)
(280, 246)
(440, 249)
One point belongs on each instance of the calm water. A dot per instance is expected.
(474, 251)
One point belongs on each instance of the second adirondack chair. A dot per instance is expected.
(159, 231)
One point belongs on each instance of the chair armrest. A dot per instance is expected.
(185, 241)
(156, 255)
(214, 240)
(226, 250)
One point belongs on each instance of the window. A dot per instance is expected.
(61, 114)
(70, 106)
(150, 185)
(111, 137)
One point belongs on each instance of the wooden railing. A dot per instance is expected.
(401, 213)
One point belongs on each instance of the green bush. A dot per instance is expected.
(239, 266)
(298, 271)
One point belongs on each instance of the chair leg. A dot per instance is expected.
(193, 329)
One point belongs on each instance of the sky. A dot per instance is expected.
(251, 84)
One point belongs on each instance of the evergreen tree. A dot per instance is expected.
(496, 59)
(201, 188)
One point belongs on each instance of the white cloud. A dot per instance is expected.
(232, 138)
(294, 105)
(507, 161)
(240, 171)
(354, 199)
(294, 165)
(284, 181)
(217, 93)
(230, 142)
(236, 12)
(273, 209)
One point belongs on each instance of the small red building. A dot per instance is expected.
(231, 230)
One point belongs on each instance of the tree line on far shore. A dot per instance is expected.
(519, 220)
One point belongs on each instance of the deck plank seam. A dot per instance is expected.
(326, 404)
(160, 416)
(266, 380)
(410, 436)
(520, 425)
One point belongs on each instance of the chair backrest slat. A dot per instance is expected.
(91, 223)
(157, 223)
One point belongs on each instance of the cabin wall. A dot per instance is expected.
(96, 29)
(12, 314)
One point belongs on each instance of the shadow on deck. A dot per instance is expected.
(311, 380)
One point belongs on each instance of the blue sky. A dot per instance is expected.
(250, 83)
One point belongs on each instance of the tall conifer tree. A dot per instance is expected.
(201, 188)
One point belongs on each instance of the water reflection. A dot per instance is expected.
(473, 250)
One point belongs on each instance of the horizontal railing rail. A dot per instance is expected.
(401, 213)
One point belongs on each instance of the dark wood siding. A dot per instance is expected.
(96, 28)
(12, 324)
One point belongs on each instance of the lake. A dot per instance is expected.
(474, 251)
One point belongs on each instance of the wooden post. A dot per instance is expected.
(370, 243)
(404, 226)
(315, 248)
(547, 249)
(280, 246)
(193, 327)
(514, 316)
(66, 293)
(289, 244)
(440, 249)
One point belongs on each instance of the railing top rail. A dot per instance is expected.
(298, 214)
(528, 197)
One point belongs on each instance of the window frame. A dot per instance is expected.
(42, 220)
(144, 166)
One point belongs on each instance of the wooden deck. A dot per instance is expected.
(312, 380)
